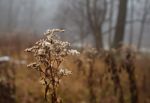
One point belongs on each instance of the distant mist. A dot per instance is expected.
(31, 15)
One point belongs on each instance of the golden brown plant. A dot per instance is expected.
(128, 64)
(112, 68)
(85, 64)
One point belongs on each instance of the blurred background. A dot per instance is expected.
(102, 24)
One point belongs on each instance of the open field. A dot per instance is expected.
(97, 77)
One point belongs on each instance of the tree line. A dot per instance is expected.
(106, 21)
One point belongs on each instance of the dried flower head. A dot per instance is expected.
(65, 72)
(50, 53)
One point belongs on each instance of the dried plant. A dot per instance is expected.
(7, 83)
(49, 54)
(90, 56)
(129, 66)
(117, 62)
(85, 64)
(113, 69)
(126, 58)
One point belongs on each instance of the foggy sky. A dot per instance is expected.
(44, 13)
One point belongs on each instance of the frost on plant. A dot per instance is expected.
(49, 54)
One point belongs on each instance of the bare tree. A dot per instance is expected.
(96, 16)
(79, 8)
(32, 7)
(73, 19)
(143, 24)
(86, 17)
(10, 15)
(132, 22)
(110, 22)
(121, 22)
(1, 14)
